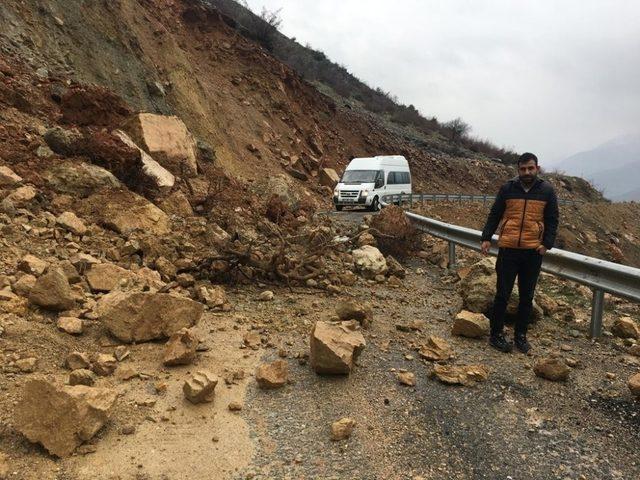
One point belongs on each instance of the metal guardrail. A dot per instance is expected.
(600, 275)
(412, 198)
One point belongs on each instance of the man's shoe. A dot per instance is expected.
(521, 343)
(498, 342)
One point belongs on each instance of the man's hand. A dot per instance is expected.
(485, 246)
(541, 249)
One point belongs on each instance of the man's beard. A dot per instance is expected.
(528, 179)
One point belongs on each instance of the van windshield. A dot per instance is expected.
(359, 176)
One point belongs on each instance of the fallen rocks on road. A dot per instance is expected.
(273, 375)
(82, 376)
(436, 349)
(335, 347)
(552, 368)
(32, 265)
(71, 325)
(181, 348)
(200, 387)
(8, 178)
(634, 385)
(62, 417)
(369, 261)
(466, 375)
(105, 277)
(77, 360)
(407, 378)
(104, 364)
(471, 325)
(214, 297)
(625, 327)
(342, 429)
(349, 310)
(142, 316)
(70, 221)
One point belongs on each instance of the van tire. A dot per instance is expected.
(375, 205)
(339, 207)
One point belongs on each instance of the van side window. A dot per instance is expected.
(398, 178)
(380, 176)
(391, 178)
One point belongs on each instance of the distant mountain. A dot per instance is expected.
(613, 166)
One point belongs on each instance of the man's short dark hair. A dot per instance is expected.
(525, 157)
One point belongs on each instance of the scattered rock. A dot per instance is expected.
(200, 387)
(625, 327)
(634, 350)
(395, 268)
(125, 212)
(77, 361)
(478, 287)
(52, 291)
(32, 265)
(369, 261)
(181, 348)
(82, 376)
(27, 365)
(235, 406)
(104, 364)
(78, 178)
(471, 325)
(460, 374)
(70, 222)
(266, 296)
(367, 239)
(141, 316)
(24, 285)
(407, 378)
(253, 340)
(4, 466)
(342, 429)
(273, 375)
(22, 195)
(215, 297)
(634, 385)
(70, 325)
(8, 178)
(335, 347)
(105, 277)
(436, 349)
(348, 310)
(552, 368)
(62, 417)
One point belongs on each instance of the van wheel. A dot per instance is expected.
(375, 205)
(339, 207)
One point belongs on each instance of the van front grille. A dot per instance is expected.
(351, 194)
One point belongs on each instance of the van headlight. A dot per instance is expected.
(365, 193)
(336, 192)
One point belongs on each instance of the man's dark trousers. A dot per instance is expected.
(525, 264)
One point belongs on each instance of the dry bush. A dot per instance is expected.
(394, 232)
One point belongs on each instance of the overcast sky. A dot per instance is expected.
(552, 77)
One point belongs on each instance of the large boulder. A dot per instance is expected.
(105, 277)
(328, 177)
(126, 212)
(369, 261)
(167, 140)
(62, 417)
(471, 325)
(144, 316)
(52, 291)
(79, 178)
(160, 177)
(335, 347)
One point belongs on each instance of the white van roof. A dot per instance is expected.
(373, 163)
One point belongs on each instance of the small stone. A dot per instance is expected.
(348, 310)
(611, 375)
(181, 348)
(33, 265)
(273, 375)
(460, 374)
(121, 352)
(27, 365)
(407, 378)
(550, 368)
(24, 285)
(335, 347)
(342, 429)
(52, 291)
(436, 349)
(634, 385)
(104, 364)
(200, 387)
(71, 325)
(253, 340)
(625, 327)
(77, 360)
(70, 222)
(128, 430)
(82, 376)
(470, 324)
(266, 296)
(235, 406)
(8, 178)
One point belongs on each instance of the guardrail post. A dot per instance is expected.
(452, 255)
(597, 309)
(484, 199)
(411, 200)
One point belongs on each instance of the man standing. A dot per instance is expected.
(525, 214)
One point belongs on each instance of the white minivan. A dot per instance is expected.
(366, 180)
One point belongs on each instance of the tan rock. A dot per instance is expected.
(70, 221)
(252, 339)
(471, 325)
(27, 365)
(395, 268)
(272, 375)
(460, 374)
(4, 466)
(369, 261)
(349, 310)
(625, 327)
(8, 178)
(105, 277)
(328, 177)
(32, 265)
(70, 325)
(266, 296)
(142, 316)
(407, 378)
(125, 212)
(215, 297)
(167, 140)
(158, 176)
(82, 376)
(62, 417)
(478, 288)
(367, 239)
(181, 348)
(436, 349)
(634, 350)
(235, 406)
(104, 364)
(552, 368)
(634, 385)
(24, 285)
(177, 204)
(77, 361)
(22, 195)
(52, 291)
(200, 387)
(342, 429)
(335, 347)
(78, 178)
